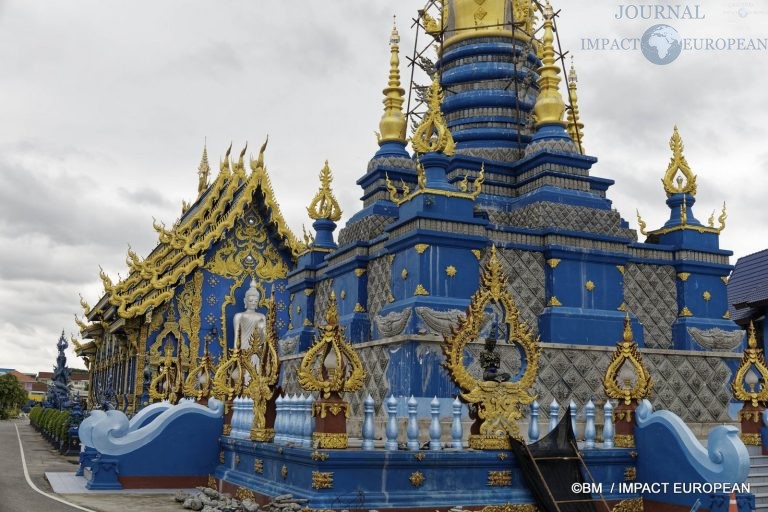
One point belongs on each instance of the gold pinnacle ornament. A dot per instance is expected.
(549, 107)
(575, 127)
(324, 205)
(679, 179)
(392, 125)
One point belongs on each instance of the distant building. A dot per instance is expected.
(748, 293)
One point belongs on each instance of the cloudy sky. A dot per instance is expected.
(104, 108)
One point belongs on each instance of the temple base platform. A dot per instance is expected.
(355, 479)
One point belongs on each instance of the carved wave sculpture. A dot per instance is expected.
(112, 434)
(393, 323)
(668, 451)
(158, 450)
(716, 339)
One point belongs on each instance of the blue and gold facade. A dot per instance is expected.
(498, 160)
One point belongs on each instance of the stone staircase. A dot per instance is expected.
(758, 480)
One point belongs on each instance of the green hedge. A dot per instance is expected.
(51, 421)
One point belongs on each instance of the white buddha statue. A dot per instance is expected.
(249, 322)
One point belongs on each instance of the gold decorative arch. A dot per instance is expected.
(499, 404)
(626, 353)
(753, 358)
(348, 374)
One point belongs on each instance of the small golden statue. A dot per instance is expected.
(168, 383)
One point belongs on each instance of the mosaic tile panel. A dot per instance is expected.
(574, 218)
(379, 278)
(651, 294)
(366, 228)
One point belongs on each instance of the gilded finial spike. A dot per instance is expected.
(433, 134)
(203, 171)
(392, 125)
(574, 127)
(678, 179)
(549, 107)
(224, 165)
(324, 205)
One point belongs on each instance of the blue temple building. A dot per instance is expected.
(497, 160)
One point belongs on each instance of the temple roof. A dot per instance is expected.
(748, 285)
(183, 248)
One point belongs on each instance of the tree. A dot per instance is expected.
(12, 396)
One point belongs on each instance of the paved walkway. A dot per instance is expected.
(24, 487)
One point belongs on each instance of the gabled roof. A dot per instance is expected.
(748, 285)
(182, 249)
(21, 377)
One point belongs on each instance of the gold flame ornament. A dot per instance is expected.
(167, 384)
(199, 382)
(262, 387)
(753, 361)
(432, 135)
(627, 358)
(679, 179)
(331, 365)
(499, 404)
(549, 107)
(324, 205)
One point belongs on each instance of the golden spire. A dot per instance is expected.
(432, 134)
(392, 124)
(679, 179)
(203, 170)
(324, 205)
(575, 126)
(549, 108)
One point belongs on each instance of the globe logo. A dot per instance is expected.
(661, 44)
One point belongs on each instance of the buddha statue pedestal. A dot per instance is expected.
(330, 422)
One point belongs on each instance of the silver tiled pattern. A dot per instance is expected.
(651, 294)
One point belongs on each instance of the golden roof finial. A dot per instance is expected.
(324, 205)
(432, 134)
(679, 179)
(549, 107)
(392, 124)
(203, 170)
(575, 127)
(260, 159)
(225, 166)
(84, 305)
(240, 164)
